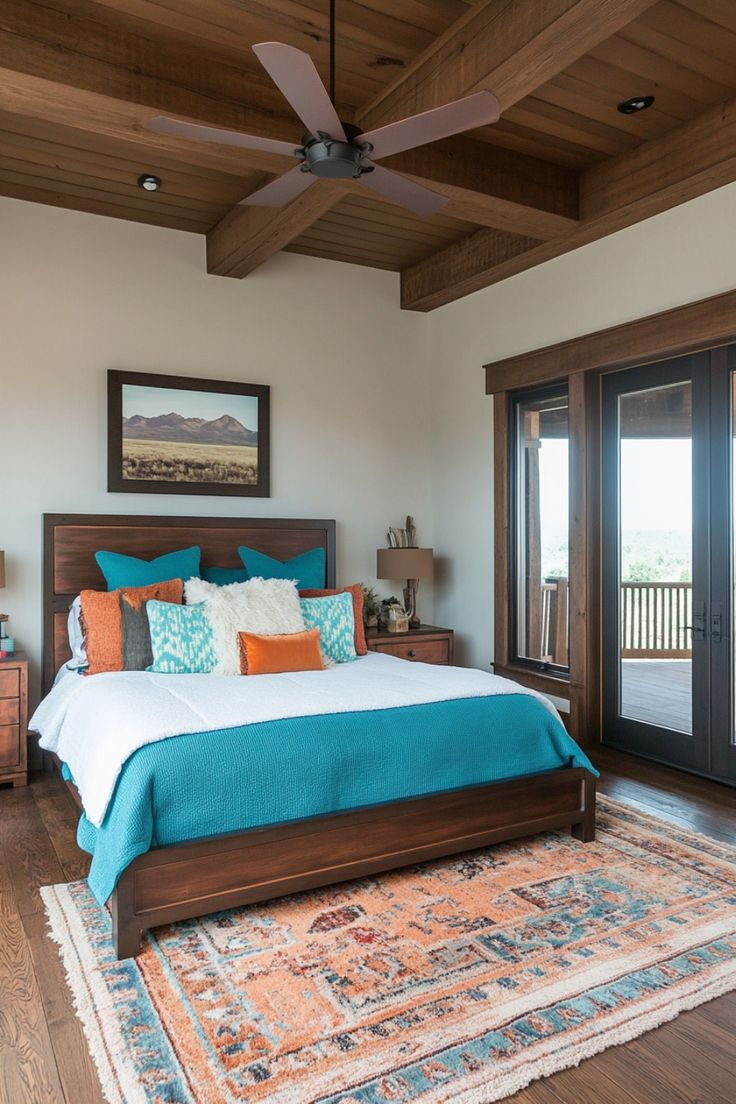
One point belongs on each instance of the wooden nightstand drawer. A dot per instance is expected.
(419, 651)
(14, 720)
(9, 711)
(9, 746)
(10, 683)
(427, 644)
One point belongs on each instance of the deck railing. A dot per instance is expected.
(656, 620)
(554, 617)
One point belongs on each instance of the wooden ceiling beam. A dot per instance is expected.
(248, 236)
(692, 159)
(495, 187)
(95, 112)
(504, 46)
(95, 57)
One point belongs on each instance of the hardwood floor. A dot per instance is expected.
(44, 1059)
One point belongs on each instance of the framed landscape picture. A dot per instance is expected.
(177, 435)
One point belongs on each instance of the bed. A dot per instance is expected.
(437, 797)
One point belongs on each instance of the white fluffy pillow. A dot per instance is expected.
(266, 606)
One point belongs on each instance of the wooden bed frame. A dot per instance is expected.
(190, 879)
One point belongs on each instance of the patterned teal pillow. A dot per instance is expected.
(335, 620)
(181, 639)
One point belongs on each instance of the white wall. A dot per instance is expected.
(375, 412)
(80, 294)
(677, 257)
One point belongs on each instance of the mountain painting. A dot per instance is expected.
(189, 440)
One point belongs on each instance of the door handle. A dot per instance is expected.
(698, 626)
(716, 620)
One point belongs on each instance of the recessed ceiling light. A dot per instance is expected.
(149, 183)
(636, 103)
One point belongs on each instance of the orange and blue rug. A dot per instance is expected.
(460, 980)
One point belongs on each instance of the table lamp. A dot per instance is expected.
(411, 564)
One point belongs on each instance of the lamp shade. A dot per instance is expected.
(405, 563)
(2, 569)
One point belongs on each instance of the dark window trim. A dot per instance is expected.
(559, 672)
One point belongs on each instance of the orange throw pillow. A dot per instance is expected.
(356, 592)
(272, 655)
(115, 625)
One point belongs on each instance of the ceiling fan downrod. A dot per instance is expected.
(332, 50)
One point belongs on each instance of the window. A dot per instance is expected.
(539, 530)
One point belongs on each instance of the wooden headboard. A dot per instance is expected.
(71, 540)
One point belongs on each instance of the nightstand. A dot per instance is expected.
(427, 644)
(14, 719)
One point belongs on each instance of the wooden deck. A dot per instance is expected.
(658, 691)
(44, 1058)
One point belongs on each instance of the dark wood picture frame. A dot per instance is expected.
(116, 380)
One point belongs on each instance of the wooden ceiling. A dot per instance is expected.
(80, 78)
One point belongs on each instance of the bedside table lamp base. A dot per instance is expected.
(410, 603)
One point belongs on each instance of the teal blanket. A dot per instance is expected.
(205, 783)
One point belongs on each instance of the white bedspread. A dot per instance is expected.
(95, 724)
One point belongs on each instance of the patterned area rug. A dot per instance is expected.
(460, 980)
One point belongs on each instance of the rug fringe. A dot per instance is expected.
(59, 933)
(624, 1033)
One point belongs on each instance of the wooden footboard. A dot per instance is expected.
(220, 872)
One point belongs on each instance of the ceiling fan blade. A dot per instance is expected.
(430, 126)
(294, 73)
(405, 192)
(163, 125)
(281, 190)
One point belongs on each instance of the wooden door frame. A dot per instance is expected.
(582, 361)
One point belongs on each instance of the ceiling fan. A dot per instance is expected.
(331, 149)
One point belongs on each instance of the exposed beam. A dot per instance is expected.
(95, 57)
(95, 112)
(248, 236)
(99, 79)
(495, 187)
(508, 47)
(691, 160)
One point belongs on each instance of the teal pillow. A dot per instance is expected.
(334, 618)
(223, 576)
(129, 571)
(181, 639)
(308, 568)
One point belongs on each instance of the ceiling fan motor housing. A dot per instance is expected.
(332, 159)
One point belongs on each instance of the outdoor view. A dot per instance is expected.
(655, 538)
(542, 530)
(655, 555)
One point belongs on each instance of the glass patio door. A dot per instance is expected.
(659, 575)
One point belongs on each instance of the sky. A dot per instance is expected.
(553, 488)
(152, 401)
(656, 484)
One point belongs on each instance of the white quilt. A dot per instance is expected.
(95, 724)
